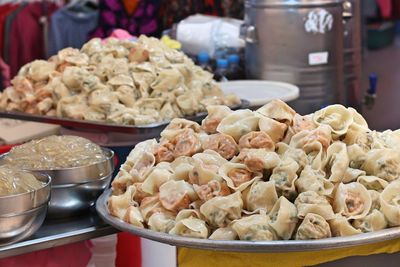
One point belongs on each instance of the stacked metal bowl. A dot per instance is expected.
(74, 190)
(22, 214)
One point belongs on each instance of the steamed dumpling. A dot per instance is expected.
(313, 227)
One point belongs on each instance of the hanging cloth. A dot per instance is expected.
(70, 28)
(385, 7)
(7, 31)
(27, 43)
(5, 11)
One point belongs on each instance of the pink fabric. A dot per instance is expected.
(76, 255)
(385, 7)
(121, 34)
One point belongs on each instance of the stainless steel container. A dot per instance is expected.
(352, 52)
(21, 215)
(74, 190)
(299, 42)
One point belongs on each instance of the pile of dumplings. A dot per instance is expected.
(118, 81)
(269, 174)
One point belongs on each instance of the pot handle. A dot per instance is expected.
(248, 33)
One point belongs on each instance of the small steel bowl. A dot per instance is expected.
(21, 215)
(74, 190)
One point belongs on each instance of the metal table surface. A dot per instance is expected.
(55, 233)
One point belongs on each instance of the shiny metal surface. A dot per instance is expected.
(55, 233)
(78, 175)
(68, 200)
(245, 246)
(21, 215)
(143, 132)
(352, 54)
(279, 48)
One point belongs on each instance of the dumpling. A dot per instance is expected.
(202, 173)
(256, 140)
(306, 139)
(238, 123)
(134, 217)
(186, 143)
(210, 157)
(190, 227)
(384, 163)
(187, 213)
(283, 218)
(156, 178)
(275, 129)
(220, 211)
(254, 228)
(390, 203)
(167, 80)
(177, 195)
(298, 155)
(215, 115)
(372, 183)
(118, 204)
(223, 144)
(314, 180)
(277, 110)
(212, 189)
(375, 200)
(237, 176)
(161, 222)
(40, 70)
(177, 126)
(352, 200)
(226, 233)
(258, 160)
(335, 116)
(351, 175)
(313, 227)
(205, 167)
(284, 176)
(137, 165)
(340, 226)
(260, 196)
(181, 167)
(150, 205)
(357, 156)
(301, 123)
(311, 202)
(372, 222)
(337, 162)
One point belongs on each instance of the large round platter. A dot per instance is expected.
(245, 246)
(259, 92)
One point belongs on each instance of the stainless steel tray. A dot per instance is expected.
(245, 246)
(150, 130)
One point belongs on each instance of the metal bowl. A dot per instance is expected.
(22, 214)
(72, 199)
(74, 190)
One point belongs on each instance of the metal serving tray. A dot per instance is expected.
(245, 246)
(152, 130)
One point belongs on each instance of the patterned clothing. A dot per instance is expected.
(113, 15)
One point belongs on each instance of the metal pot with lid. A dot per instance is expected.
(300, 42)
